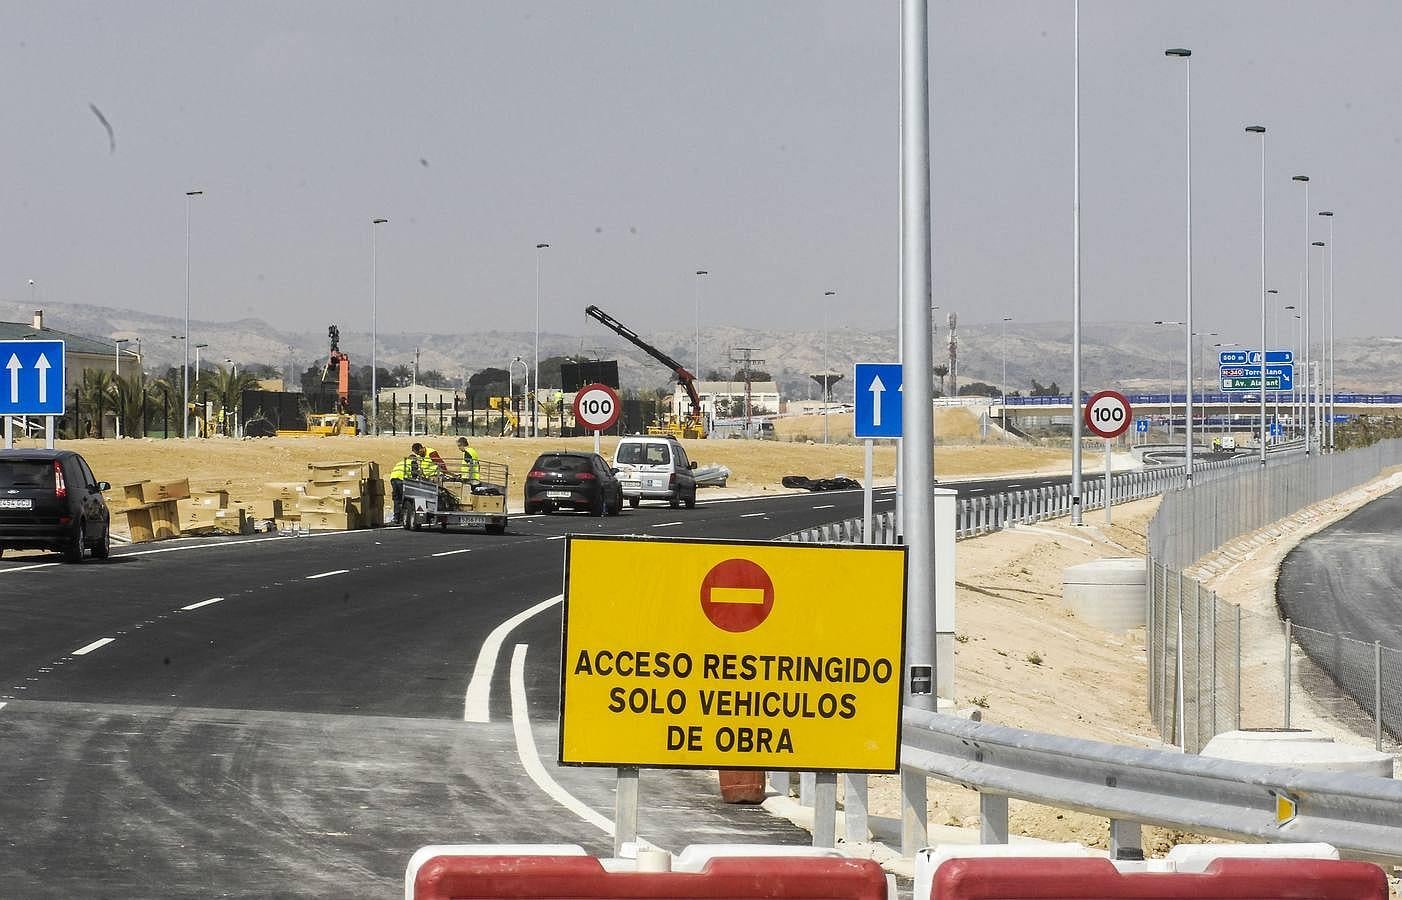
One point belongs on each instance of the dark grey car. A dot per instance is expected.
(50, 500)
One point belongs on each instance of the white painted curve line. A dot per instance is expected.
(752, 515)
(530, 759)
(826, 506)
(3, 704)
(26, 568)
(84, 651)
(666, 524)
(558, 537)
(201, 603)
(328, 574)
(451, 552)
(479, 687)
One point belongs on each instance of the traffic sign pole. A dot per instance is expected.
(1109, 484)
(866, 496)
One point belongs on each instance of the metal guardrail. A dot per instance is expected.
(1216, 398)
(1360, 815)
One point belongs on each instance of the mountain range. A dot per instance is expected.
(1131, 357)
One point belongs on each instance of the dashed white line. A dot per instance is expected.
(201, 603)
(752, 515)
(328, 574)
(826, 506)
(558, 537)
(666, 524)
(84, 651)
(884, 500)
(976, 490)
(451, 552)
(475, 705)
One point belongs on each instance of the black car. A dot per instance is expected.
(568, 480)
(50, 500)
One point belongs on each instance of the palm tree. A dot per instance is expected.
(940, 372)
(129, 402)
(165, 395)
(225, 388)
(96, 390)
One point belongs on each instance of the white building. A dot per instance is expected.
(726, 399)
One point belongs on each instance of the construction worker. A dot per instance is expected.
(431, 464)
(469, 467)
(408, 467)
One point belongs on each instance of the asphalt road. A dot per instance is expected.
(295, 715)
(1347, 580)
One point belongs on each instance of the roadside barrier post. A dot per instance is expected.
(1287, 672)
(625, 809)
(993, 818)
(854, 808)
(825, 810)
(914, 831)
(1378, 696)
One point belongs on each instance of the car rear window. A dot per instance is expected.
(27, 473)
(563, 463)
(653, 454)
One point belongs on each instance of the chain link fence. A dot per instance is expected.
(1214, 667)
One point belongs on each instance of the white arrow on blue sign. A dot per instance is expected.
(878, 400)
(32, 383)
(1253, 357)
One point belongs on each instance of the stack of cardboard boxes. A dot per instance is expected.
(341, 496)
(152, 511)
(209, 512)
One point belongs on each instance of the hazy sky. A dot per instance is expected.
(647, 139)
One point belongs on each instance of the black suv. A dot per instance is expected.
(568, 480)
(50, 500)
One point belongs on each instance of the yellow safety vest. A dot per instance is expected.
(469, 463)
(402, 469)
(429, 467)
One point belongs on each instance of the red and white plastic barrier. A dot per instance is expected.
(480, 872)
(1036, 878)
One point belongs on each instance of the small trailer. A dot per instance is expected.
(451, 500)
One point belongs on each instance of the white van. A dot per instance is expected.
(655, 467)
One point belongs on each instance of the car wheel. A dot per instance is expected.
(598, 506)
(103, 548)
(73, 553)
(691, 500)
(617, 505)
(675, 502)
(634, 501)
(406, 515)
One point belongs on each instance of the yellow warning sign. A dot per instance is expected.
(1285, 808)
(719, 654)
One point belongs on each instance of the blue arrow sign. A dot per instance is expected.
(878, 400)
(1253, 357)
(1277, 429)
(31, 378)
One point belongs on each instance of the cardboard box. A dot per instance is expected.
(144, 492)
(153, 521)
(222, 521)
(266, 509)
(317, 503)
(215, 499)
(287, 491)
(331, 521)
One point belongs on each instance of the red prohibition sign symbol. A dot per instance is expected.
(737, 595)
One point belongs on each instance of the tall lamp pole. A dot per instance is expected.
(1170, 381)
(185, 376)
(1186, 55)
(1076, 262)
(374, 316)
(1003, 386)
(1305, 337)
(1318, 380)
(1328, 330)
(1261, 130)
(827, 378)
(117, 373)
(538, 247)
(700, 273)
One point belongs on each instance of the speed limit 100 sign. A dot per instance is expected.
(596, 407)
(1108, 414)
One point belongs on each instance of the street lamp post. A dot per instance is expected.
(1202, 365)
(1328, 352)
(1169, 401)
(198, 348)
(1261, 130)
(538, 247)
(1305, 338)
(827, 378)
(117, 373)
(1218, 347)
(374, 315)
(1186, 56)
(699, 274)
(511, 388)
(186, 370)
(1003, 386)
(1318, 381)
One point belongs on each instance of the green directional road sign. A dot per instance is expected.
(1251, 383)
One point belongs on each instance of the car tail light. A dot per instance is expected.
(60, 486)
(672, 480)
(535, 473)
(586, 476)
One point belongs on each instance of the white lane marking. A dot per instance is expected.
(530, 758)
(752, 515)
(3, 704)
(203, 546)
(84, 651)
(27, 568)
(558, 537)
(976, 490)
(328, 574)
(451, 552)
(884, 500)
(666, 524)
(826, 506)
(1019, 484)
(201, 603)
(479, 687)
